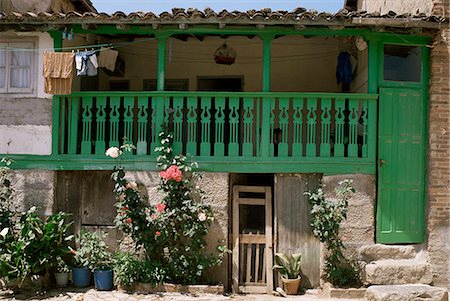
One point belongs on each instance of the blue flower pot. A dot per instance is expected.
(81, 277)
(103, 280)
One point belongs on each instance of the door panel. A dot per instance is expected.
(401, 168)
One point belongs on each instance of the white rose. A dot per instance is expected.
(4, 232)
(113, 152)
(202, 217)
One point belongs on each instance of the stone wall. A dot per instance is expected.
(359, 228)
(438, 184)
(33, 188)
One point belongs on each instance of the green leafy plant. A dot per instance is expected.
(172, 232)
(61, 266)
(92, 251)
(289, 266)
(326, 217)
(129, 270)
(36, 245)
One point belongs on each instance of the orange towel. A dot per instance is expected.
(58, 72)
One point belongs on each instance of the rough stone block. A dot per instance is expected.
(380, 252)
(405, 293)
(404, 271)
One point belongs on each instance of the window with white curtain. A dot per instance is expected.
(17, 59)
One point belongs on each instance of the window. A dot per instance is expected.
(17, 61)
(402, 63)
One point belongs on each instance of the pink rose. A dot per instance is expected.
(160, 207)
(157, 233)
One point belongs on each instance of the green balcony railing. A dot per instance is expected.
(225, 131)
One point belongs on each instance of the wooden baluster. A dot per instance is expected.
(128, 104)
(114, 115)
(219, 146)
(297, 121)
(248, 277)
(273, 107)
(257, 245)
(72, 124)
(339, 128)
(233, 145)
(311, 121)
(205, 145)
(247, 145)
(177, 124)
(364, 114)
(325, 145)
(86, 140)
(141, 145)
(100, 143)
(191, 146)
(353, 128)
(283, 146)
(263, 278)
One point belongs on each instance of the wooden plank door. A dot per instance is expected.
(401, 166)
(292, 223)
(252, 239)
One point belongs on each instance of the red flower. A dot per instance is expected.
(157, 233)
(126, 208)
(172, 173)
(123, 213)
(160, 207)
(153, 216)
(129, 220)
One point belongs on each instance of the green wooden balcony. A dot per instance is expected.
(224, 131)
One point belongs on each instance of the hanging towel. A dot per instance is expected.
(344, 69)
(58, 72)
(86, 63)
(107, 59)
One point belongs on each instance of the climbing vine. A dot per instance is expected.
(326, 218)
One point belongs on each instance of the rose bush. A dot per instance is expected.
(172, 232)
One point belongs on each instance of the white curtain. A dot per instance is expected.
(20, 76)
(2, 68)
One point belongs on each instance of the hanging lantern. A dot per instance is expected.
(225, 55)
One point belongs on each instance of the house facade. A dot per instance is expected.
(268, 103)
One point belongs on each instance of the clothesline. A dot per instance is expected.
(103, 45)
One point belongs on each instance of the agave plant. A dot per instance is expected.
(289, 266)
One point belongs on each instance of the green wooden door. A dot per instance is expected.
(401, 166)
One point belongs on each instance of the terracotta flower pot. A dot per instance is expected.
(291, 285)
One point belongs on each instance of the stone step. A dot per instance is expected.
(381, 252)
(403, 271)
(408, 292)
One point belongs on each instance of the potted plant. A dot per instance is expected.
(101, 264)
(61, 273)
(289, 266)
(81, 272)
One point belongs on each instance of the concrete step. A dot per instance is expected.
(403, 271)
(409, 292)
(381, 252)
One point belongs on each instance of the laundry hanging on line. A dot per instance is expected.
(58, 72)
(86, 63)
(107, 59)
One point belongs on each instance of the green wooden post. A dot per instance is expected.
(160, 105)
(265, 107)
(56, 112)
(372, 87)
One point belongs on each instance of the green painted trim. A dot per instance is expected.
(426, 99)
(57, 40)
(228, 94)
(239, 165)
(250, 29)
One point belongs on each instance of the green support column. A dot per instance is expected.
(56, 108)
(265, 107)
(162, 39)
(372, 86)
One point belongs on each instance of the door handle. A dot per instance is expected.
(381, 162)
